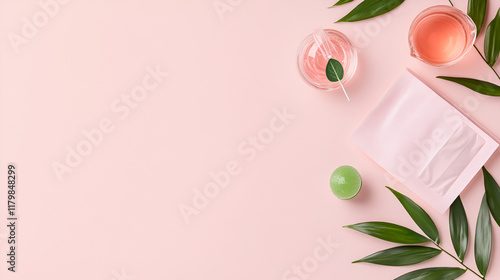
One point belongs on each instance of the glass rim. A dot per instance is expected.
(308, 40)
(417, 20)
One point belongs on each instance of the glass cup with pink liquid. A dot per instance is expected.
(441, 35)
(315, 52)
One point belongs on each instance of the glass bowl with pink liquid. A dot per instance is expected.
(441, 35)
(317, 49)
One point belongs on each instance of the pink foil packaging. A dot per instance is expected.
(424, 142)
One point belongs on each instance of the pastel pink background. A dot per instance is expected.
(118, 214)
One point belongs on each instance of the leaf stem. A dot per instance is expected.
(451, 3)
(345, 92)
(486, 61)
(459, 261)
(340, 82)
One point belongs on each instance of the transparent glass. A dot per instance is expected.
(441, 35)
(317, 49)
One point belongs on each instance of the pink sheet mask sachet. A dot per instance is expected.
(424, 142)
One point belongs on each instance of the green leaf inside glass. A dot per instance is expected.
(335, 73)
(334, 70)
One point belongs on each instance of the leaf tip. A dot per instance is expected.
(393, 191)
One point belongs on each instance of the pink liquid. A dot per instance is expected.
(315, 63)
(439, 38)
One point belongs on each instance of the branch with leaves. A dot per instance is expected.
(412, 252)
(476, 9)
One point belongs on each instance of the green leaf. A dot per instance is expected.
(483, 87)
(482, 245)
(476, 9)
(401, 256)
(421, 218)
(370, 8)
(492, 195)
(335, 73)
(459, 228)
(434, 273)
(492, 40)
(340, 2)
(334, 70)
(390, 232)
